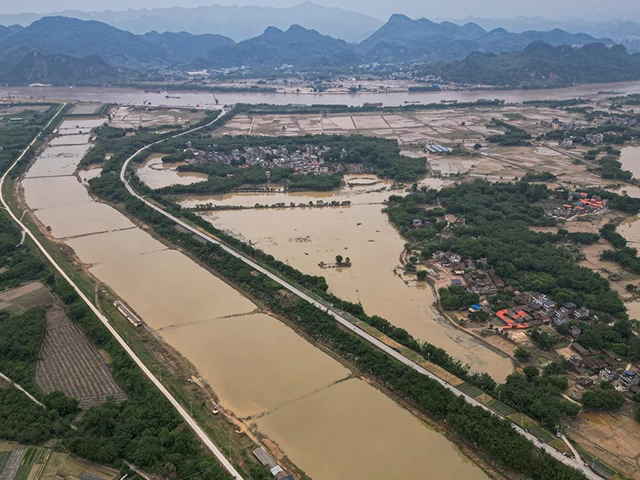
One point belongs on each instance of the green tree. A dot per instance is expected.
(603, 400)
(531, 372)
(339, 260)
(522, 354)
(422, 275)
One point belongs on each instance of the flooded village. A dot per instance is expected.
(317, 407)
(242, 351)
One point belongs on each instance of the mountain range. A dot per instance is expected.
(404, 39)
(52, 47)
(236, 22)
(542, 65)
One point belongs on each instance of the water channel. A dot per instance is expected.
(332, 425)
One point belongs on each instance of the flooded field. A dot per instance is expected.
(305, 237)
(43, 193)
(157, 174)
(245, 372)
(257, 365)
(630, 159)
(464, 126)
(58, 161)
(390, 439)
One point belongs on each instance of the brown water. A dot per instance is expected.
(305, 237)
(256, 364)
(268, 369)
(169, 289)
(126, 96)
(630, 230)
(157, 174)
(630, 159)
(354, 417)
(82, 219)
(58, 161)
(54, 192)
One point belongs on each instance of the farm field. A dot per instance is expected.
(69, 363)
(463, 127)
(18, 300)
(41, 463)
(129, 117)
(62, 464)
(613, 438)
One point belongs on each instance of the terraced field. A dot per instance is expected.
(70, 363)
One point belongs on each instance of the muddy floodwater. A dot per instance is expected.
(124, 96)
(630, 159)
(305, 237)
(630, 230)
(331, 425)
(157, 174)
(390, 442)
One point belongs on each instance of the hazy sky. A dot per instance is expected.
(586, 9)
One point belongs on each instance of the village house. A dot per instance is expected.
(560, 316)
(595, 138)
(629, 379)
(581, 313)
(606, 375)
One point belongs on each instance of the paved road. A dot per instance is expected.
(576, 463)
(14, 384)
(187, 418)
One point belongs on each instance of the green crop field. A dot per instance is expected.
(542, 434)
(23, 472)
(501, 408)
(470, 390)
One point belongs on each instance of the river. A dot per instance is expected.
(332, 425)
(131, 96)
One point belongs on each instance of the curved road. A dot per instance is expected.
(187, 418)
(575, 463)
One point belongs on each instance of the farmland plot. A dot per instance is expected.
(69, 363)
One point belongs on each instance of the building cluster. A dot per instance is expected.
(595, 138)
(527, 310)
(624, 121)
(437, 148)
(607, 365)
(557, 124)
(478, 280)
(537, 310)
(579, 203)
(308, 160)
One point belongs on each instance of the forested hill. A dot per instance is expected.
(402, 39)
(543, 65)
(63, 50)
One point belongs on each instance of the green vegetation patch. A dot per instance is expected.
(501, 408)
(470, 390)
